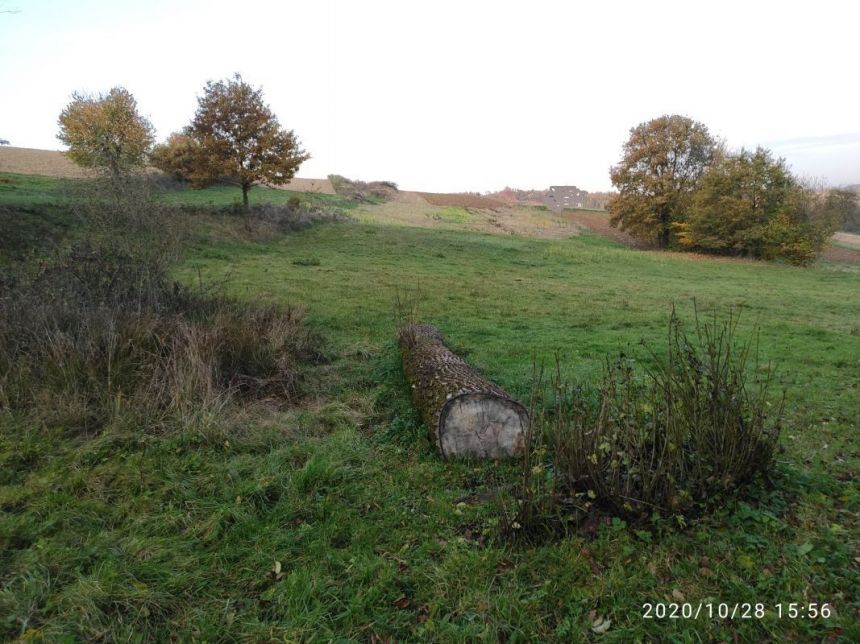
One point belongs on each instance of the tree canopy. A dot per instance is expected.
(106, 132)
(844, 207)
(749, 203)
(662, 161)
(234, 135)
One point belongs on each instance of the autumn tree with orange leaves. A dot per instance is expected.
(106, 132)
(234, 136)
(661, 164)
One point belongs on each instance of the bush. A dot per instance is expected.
(750, 204)
(264, 221)
(126, 214)
(678, 440)
(361, 190)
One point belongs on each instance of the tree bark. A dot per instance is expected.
(245, 189)
(466, 415)
(663, 236)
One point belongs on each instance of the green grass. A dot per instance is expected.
(32, 218)
(131, 534)
(231, 195)
(602, 210)
(454, 215)
(29, 190)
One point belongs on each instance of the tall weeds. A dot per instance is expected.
(99, 333)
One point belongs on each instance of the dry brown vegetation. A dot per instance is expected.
(835, 253)
(462, 200)
(598, 223)
(415, 209)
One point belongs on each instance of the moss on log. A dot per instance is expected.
(466, 415)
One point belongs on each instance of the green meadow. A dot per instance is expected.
(336, 520)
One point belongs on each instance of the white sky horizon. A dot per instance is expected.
(449, 96)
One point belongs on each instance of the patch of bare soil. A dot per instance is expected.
(462, 200)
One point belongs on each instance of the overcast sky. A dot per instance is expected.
(452, 96)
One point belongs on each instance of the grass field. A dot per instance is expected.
(336, 520)
(28, 190)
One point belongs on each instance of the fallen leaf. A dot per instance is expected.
(401, 602)
(601, 625)
(678, 595)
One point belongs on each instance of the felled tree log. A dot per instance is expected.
(466, 415)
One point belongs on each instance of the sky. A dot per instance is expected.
(463, 95)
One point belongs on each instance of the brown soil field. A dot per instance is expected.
(49, 163)
(462, 200)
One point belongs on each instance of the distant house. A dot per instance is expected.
(558, 198)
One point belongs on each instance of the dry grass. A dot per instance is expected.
(598, 223)
(322, 186)
(462, 200)
(413, 209)
(834, 253)
(847, 239)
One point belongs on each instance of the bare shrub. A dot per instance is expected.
(677, 439)
(126, 214)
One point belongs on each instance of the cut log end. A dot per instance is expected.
(482, 425)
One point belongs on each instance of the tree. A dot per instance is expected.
(843, 206)
(749, 203)
(182, 157)
(235, 135)
(106, 132)
(4, 142)
(662, 162)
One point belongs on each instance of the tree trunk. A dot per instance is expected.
(466, 415)
(663, 235)
(245, 189)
